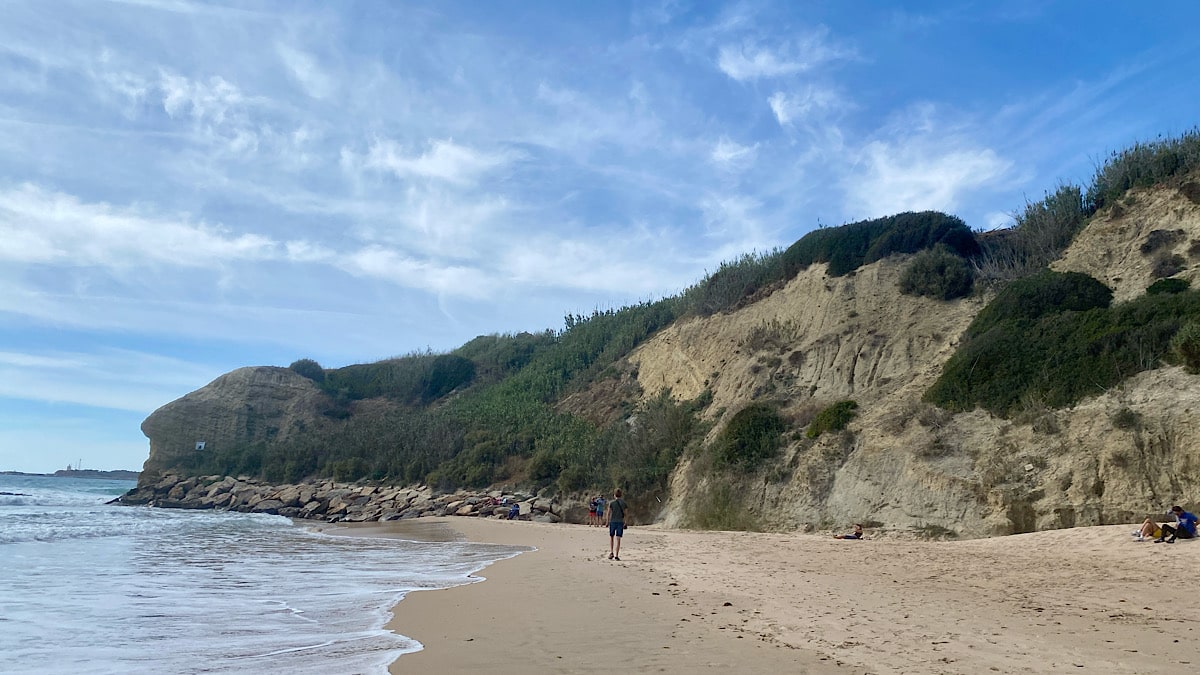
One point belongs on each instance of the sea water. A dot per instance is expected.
(87, 587)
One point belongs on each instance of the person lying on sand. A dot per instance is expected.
(1148, 530)
(1185, 526)
(856, 534)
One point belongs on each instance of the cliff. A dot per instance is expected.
(902, 463)
(246, 406)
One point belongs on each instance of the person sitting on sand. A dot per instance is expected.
(1185, 526)
(514, 511)
(856, 534)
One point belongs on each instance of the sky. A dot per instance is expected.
(191, 187)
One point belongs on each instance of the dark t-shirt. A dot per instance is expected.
(616, 511)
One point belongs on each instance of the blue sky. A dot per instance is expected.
(189, 187)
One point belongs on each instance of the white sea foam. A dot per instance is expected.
(99, 589)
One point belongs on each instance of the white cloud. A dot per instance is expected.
(790, 108)
(19, 360)
(751, 61)
(443, 160)
(733, 156)
(306, 71)
(39, 226)
(390, 265)
(207, 102)
(925, 172)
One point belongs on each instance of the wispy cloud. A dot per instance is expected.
(750, 60)
(733, 156)
(443, 160)
(795, 107)
(922, 163)
(307, 72)
(108, 378)
(44, 227)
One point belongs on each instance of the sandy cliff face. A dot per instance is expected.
(245, 406)
(1121, 245)
(904, 463)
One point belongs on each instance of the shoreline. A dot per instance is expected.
(1053, 601)
(564, 607)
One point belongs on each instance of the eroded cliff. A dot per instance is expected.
(905, 463)
(246, 406)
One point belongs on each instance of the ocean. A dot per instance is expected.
(91, 588)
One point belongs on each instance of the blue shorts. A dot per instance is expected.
(616, 529)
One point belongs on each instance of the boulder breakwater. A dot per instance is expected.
(335, 502)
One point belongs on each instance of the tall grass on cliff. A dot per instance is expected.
(1143, 165)
(1040, 234)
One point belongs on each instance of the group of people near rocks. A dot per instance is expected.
(1184, 528)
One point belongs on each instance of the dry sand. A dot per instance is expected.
(1084, 599)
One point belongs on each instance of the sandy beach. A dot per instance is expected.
(1083, 599)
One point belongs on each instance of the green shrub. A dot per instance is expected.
(1059, 357)
(1186, 346)
(937, 274)
(1038, 295)
(752, 436)
(833, 418)
(447, 373)
(851, 246)
(720, 508)
(310, 369)
(1169, 286)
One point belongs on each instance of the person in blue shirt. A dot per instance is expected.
(1185, 526)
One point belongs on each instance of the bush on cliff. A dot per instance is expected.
(1054, 339)
(1168, 286)
(833, 418)
(310, 369)
(752, 436)
(851, 246)
(937, 274)
(1186, 346)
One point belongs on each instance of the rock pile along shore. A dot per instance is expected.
(341, 502)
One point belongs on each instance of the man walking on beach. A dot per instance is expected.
(616, 525)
